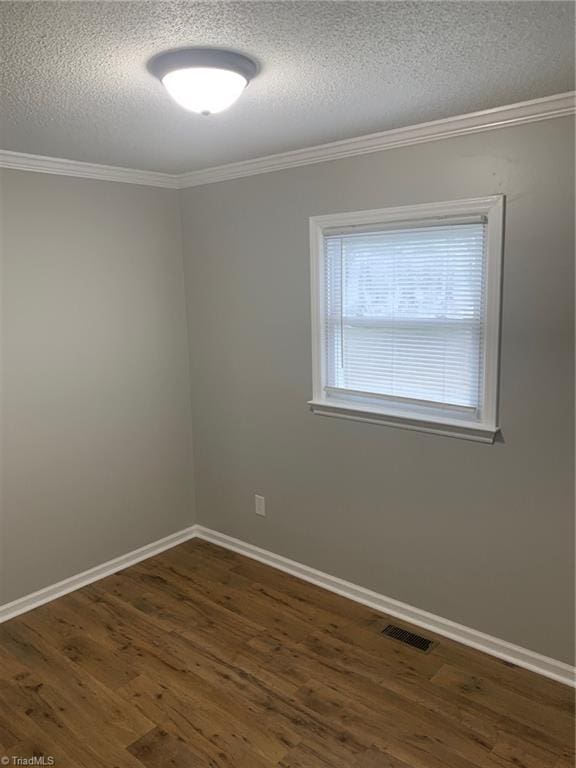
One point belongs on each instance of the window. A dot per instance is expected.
(406, 313)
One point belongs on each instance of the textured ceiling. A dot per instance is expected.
(74, 82)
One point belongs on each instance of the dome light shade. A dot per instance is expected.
(204, 90)
(203, 80)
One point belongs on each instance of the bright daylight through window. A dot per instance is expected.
(406, 305)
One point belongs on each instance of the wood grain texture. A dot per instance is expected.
(202, 658)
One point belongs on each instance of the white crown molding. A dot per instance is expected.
(559, 105)
(522, 657)
(20, 161)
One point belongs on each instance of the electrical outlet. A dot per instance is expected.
(260, 505)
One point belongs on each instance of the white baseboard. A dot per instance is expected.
(46, 595)
(522, 657)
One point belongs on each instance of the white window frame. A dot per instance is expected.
(482, 428)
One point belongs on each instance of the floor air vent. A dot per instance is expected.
(408, 638)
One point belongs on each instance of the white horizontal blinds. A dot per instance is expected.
(405, 313)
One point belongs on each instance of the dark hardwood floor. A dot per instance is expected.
(200, 657)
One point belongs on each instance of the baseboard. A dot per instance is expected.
(46, 595)
(535, 662)
(522, 657)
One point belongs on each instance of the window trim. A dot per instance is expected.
(483, 429)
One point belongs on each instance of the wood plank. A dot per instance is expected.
(374, 758)
(211, 732)
(44, 714)
(201, 658)
(71, 690)
(512, 752)
(550, 727)
(160, 749)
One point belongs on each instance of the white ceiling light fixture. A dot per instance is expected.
(203, 80)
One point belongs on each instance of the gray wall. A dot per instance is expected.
(479, 534)
(96, 447)
(96, 435)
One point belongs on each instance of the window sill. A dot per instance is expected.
(414, 421)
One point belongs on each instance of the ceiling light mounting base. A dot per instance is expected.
(208, 58)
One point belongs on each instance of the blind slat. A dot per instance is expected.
(405, 313)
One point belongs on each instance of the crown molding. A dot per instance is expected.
(21, 161)
(559, 105)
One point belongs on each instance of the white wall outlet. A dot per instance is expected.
(260, 505)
